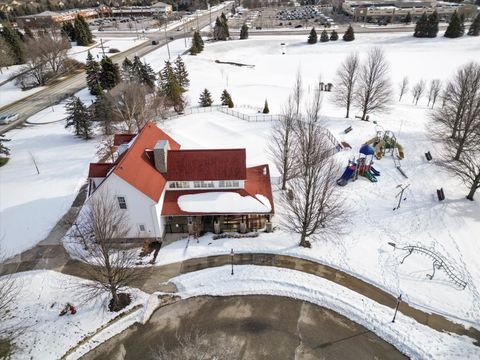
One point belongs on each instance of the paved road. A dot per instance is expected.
(73, 83)
(251, 327)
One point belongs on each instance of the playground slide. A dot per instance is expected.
(347, 174)
(370, 176)
(374, 171)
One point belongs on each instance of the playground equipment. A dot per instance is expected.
(360, 167)
(384, 143)
(439, 262)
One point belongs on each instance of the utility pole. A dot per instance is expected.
(166, 40)
(210, 9)
(232, 254)
(103, 48)
(185, 33)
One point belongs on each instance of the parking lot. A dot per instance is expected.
(131, 23)
(284, 17)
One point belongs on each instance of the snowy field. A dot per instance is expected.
(9, 93)
(361, 248)
(413, 339)
(45, 334)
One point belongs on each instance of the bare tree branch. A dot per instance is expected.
(346, 79)
(403, 87)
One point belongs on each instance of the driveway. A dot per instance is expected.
(254, 327)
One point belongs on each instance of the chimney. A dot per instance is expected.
(160, 152)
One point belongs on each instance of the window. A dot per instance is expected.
(141, 227)
(121, 202)
(179, 185)
(197, 184)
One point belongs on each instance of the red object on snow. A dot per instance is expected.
(73, 311)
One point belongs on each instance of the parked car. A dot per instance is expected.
(6, 119)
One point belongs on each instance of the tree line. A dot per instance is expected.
(427, 26)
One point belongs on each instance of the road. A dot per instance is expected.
(69, 85)
(249, 327)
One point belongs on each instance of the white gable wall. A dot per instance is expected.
(141, 210)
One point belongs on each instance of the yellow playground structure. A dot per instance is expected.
(385, 143)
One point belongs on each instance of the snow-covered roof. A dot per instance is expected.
(220, 202)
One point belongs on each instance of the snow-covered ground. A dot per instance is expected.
(8, 73)
(45, 334)
(415, 340)
(9, 93)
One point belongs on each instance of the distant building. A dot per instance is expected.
(158, 9)
(51, 18)
(361, 10)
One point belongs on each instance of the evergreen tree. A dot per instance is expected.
(15, 43)
(475, 27)
(143, 73)
(454, 29)
(181, 73)
(171, 88)
(79, 118)
(224, 21)
(219, 30)
(421, 27)
(462, 23)
(83, 35)
(333, 36)
(408, 18)
(244, 32)
(69, 30)
(205, 98)
(92, 68)
(324, 36)
(349, 34)
(266, 110)
(312, 37)
(103, 112)
(4, 150)
(197, 44)
(432, 25)
(226, 99)
(127, 70)
(109, 73)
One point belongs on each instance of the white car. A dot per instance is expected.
(6, 119)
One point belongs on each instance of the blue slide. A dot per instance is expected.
(347, 174)
(374, 171)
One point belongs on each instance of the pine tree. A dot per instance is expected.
(181, 73)
(197, 44)
(127, 70)
(69, 30)
(244, 32)
(421, 27)
(312, 37)
(349, 34)
(79, 118)
(334, 36)
(205, 98)
(462, 23)
(226, 99)
(219, 30)
(475, 27)
(4, 150)
(171, 88)
(15, 43)
(408, 18)
(454, 29)
(83, 35)
(324, 36)
(266, 110)
(92, 68)
(224, 21)
(142, 73)
(432, 25)
(109, 73)
(103, 112)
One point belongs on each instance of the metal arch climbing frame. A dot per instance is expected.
(438, 263)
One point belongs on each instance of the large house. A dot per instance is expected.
(168, 190)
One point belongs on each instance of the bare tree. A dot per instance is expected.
(466, 167)
(197, 346)
(101, 229)
(313, 207)
(105, 149)
(418, 90)
(132, 104)
(458, 121)
(403, 87)
(373, 92)
(434, 91)
(52, 48)
(346, 79)
(6, 56)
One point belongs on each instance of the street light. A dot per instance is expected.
(399, 300)
(232, 254)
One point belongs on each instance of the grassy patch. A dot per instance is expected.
(3, 161)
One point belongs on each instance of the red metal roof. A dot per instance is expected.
(98, 170)
(137, 169)
(219, 164)
(119, 139)
(257, 182)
